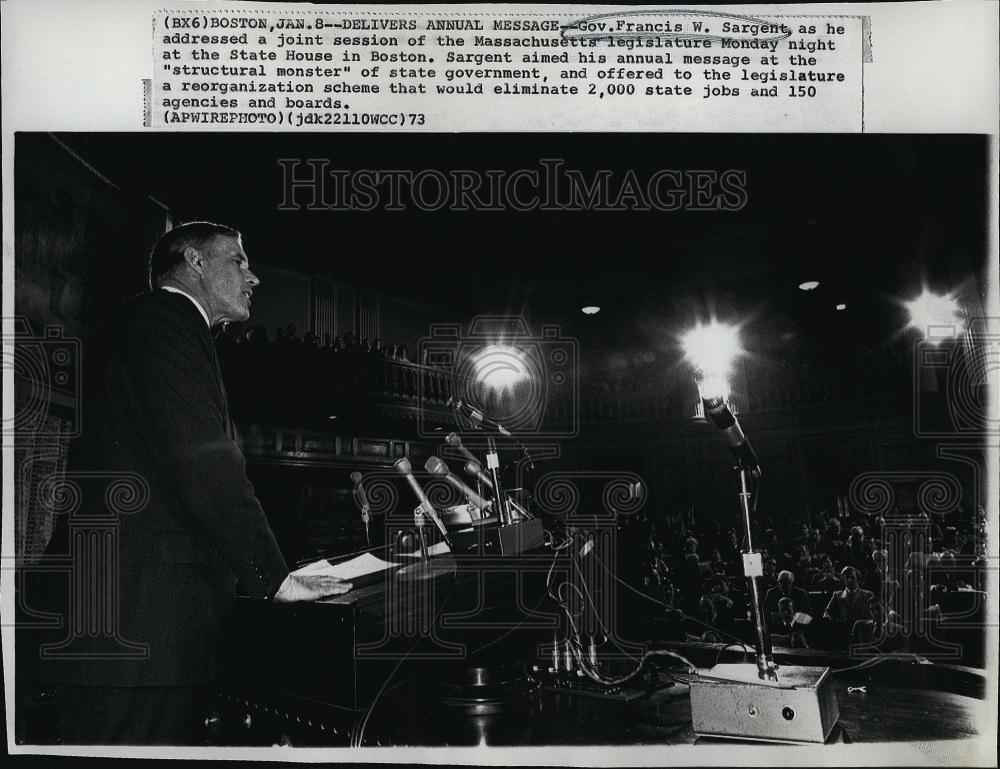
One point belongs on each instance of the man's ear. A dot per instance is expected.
(194, 259)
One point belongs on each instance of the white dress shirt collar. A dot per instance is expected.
(182, 292)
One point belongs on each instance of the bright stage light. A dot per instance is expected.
(590, 309)
(500, 368)
(936, 316)
(712, 349)
(841, 307)
(809, 285)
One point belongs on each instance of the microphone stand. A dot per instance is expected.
(426, 568)
(420, 522)
(753, 569)
(366, 517)
(493, 465)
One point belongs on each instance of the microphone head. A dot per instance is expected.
(717, 411)
(355, 477)
(452, 439)
(436, 466)
(473, 468)
(403, 466)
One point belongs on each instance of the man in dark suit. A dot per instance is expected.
(786, 589)
(853, 603)
(787, 631)
(163, 416)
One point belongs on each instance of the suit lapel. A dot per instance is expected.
(208, 339)
(222, 388)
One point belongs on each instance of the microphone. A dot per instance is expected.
(717, 410)
(359, 493)
(362, 501)
(403, 467)
(455, 442)
(437, 466)
(478, 417)
(473, 468)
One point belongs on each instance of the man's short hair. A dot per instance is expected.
(168, 253)
(847, 570)
(786, 573)
(785, 601)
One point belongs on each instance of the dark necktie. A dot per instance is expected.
(222, 390)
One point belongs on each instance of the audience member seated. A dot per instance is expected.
(716, 564)
(880, 582)
(832, 542)
(855, 553)
(944, 573)
(789, 630)
(708, 630)
(694, 567)
(851, 604)
(827, 579)
(718, 592)
(770, 578)
(786, 589)
(730, 549)
(882, 630)
(916, 562)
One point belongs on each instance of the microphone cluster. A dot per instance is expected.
(438, 467)
(488, 497)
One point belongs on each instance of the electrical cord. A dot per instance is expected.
(873, 661)
(358, 732)
(590, 600)
(746, 652)
(576, 645)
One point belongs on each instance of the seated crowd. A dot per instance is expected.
(910, 585)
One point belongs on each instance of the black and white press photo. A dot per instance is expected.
(573, 442)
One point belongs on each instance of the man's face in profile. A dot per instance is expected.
(227, 279)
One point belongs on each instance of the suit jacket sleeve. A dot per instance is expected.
(170, 381)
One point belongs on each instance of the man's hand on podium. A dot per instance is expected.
(310, 587)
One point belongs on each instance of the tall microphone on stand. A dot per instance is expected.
(437, 466)
(748, 466)
(404, 468)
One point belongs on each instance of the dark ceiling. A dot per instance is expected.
(870, 217)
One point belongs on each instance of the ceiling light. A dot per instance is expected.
(936, 316)
(841, 307)
(590, 310)
(809, 285)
